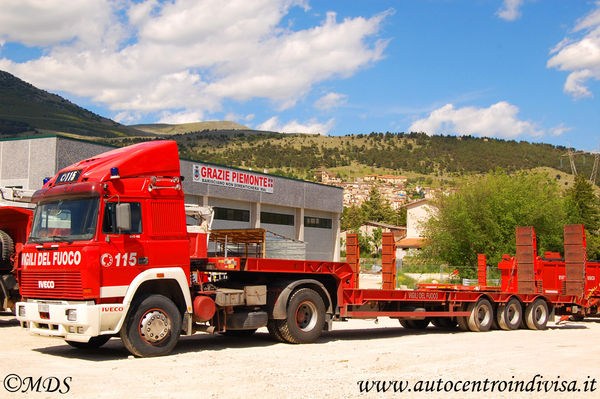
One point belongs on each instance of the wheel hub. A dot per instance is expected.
(155, 326)
(306, 316)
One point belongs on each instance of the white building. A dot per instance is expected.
(417, 213)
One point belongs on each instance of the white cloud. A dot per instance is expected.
(580, 55)
(498, 120)
(232, 116)
(311, 126)
(560, 129)
(330, 101)
(185, 56)
(510, 10)
(180, 117)
(92, 23)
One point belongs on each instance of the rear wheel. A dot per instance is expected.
(152, 326)
(481, 317)
(536, 315)
(93, 343)
(510, 315)
(305, 317)
(273, 327)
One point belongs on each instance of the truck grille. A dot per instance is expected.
(57, 284)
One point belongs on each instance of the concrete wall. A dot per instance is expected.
(25, 163)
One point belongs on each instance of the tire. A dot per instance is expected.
(305, 317)
(152, 326)
(93, 343)
(415, 324)
(481, 317)
(536, 315)
(273, 327)
(463, 323)
(7, 249)
(444, 322)
(510, 316)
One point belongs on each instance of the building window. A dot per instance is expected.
(321, 223)
(276, 218)
(237, 215)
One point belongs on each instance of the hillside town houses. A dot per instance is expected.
(392, 188)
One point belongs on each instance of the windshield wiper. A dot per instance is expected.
(60, 238)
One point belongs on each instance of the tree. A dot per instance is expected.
(481, 217)
(352, 219)
(377, 209)
(582, 207)
(376, 239)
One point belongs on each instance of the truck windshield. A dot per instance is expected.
(65, 220)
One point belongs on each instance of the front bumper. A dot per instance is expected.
(50, 318)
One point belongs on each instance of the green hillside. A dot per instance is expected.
(164, 129)
(26, 110)
(413, 154)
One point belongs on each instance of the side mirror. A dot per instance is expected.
(124, 217)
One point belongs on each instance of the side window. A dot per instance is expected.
(109, 221)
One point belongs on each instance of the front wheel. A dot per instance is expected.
(152, 326)
(93, 343)
(305, 317)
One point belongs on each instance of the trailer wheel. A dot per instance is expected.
(305, 317)
(536, 315)
(463, 323)
(7, 249)
(481, 317)
(510, 316)
(152, 326)
(93, 343)
(415, 324)
(444, 322)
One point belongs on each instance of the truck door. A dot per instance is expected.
(123, 253)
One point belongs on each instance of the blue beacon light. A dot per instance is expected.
(114, 173)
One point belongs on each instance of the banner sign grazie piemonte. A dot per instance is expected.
(225, 177)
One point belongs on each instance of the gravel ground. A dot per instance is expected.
(204, 366)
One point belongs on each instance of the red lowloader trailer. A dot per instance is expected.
(109, 255)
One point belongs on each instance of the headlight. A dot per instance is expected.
(72, 314)
(21, 311)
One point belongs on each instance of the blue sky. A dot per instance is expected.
(514, 69)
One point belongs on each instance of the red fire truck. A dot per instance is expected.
(15, 217)
(109, 255)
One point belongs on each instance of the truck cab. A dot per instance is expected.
(104, 231)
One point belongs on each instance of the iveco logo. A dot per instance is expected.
(46, 284)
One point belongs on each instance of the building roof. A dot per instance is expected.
(387, 226)
(410, 243)
(415, 203)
